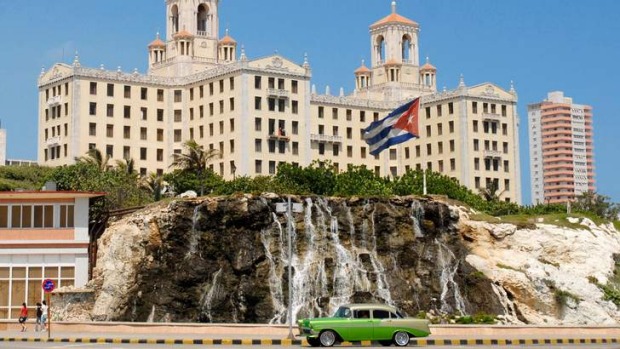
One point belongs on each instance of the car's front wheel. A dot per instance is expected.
(401, 338)
(327, 338)
(314, 342)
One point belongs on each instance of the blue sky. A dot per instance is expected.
(542, 45)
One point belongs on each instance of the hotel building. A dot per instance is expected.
(261, 112)
(561, 149)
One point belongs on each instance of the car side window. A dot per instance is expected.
(343, 312)
(396, 315)
(380, 314)
(362, 314)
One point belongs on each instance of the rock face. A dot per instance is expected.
(227, 259)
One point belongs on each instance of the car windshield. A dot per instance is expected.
(343, 312)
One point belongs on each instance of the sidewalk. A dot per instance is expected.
(260, 334)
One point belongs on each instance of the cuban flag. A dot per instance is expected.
(400, 126)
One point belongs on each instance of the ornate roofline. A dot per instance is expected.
(155, 80)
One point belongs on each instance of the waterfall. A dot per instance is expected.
(151, 317)
(207, 298)
(449, 265)
(360, 274)
(194, 236)
(275, 275)
(417, 213)
(330, 233)
(383, 288)
(343, 281)
(510, 312)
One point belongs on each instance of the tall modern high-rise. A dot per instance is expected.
(258, 113)
(561, 149)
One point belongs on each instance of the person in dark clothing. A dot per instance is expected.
(39, 325)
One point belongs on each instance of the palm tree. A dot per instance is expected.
(490, 193)
(95, 157)
(194, 159)
(155, 184)
(127, 166)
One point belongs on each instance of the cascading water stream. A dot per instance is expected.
(383, 288)
(275, 273)
(449, 266)
(417, 213)
(207, 298)
(194, 236)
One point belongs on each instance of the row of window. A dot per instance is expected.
(56, 111)
(110, 90)
(36, 216)
(348, 114)
(23, 285)
(56, 91)
(271, 84)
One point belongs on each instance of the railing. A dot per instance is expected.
(276, 92)
(492, 154)
(54, 101)
(52, 141)
(325, 138)
(491, 116)
(279, 136)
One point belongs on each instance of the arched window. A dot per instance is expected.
(380, 48)
(201, 18)
(406, 49)
(174, 17)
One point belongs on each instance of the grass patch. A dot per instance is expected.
(504, 266)
(544, 261)
(479, 318)
(617, 225)
(561, 297)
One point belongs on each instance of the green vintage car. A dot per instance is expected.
(359, 322)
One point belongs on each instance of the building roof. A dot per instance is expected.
(393, 18)
(362, 69)
(427, 66)
(47, 194)
(157, 43)
(183, 34)
(227, 39)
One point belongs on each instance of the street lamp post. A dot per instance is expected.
(287, 207)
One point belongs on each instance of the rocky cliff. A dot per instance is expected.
(227, 259)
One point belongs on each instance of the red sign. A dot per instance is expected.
(48, 285)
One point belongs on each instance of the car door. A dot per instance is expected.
(382, 324)
(360, 326)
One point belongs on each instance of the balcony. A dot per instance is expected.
(54, 101)
(325, 138)
(491, 117)
(277, 92)
(53, 141)
(279, 136)
(492, 154)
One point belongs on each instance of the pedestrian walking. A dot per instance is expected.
(23, 316)
(44, 310)
(39, 324)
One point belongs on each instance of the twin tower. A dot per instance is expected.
(192, 44)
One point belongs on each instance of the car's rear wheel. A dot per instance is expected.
(327, 338)
(314, 342)
(401, 338)
(385, 343)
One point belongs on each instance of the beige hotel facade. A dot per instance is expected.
(261, 112)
